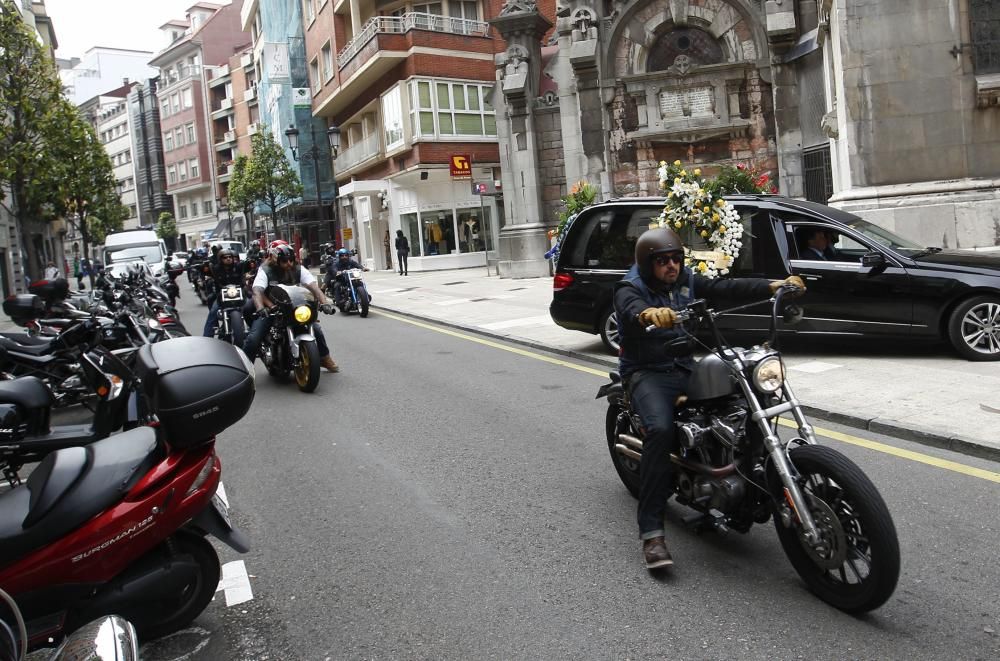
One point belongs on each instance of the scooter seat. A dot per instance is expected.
(24, 338)
(30, 349)
(28, 392)
(71, 486)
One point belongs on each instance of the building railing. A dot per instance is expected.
(405, 23)
(358, 152)
(181, 73)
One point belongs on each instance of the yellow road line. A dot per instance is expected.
(829, 433)
(899, 452)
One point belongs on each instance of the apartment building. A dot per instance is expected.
(147, 153)
(207, 37)
(102, 68)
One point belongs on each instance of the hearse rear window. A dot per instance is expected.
(605, 239)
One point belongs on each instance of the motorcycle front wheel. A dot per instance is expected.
(363, 301)
(237, 331)
(307, 369)
(857, 568)
(628, 469)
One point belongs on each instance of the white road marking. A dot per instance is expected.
(452, 301)
(514, 323)
(236, 583)
(814, 367)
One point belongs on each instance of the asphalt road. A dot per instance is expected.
(443, 498)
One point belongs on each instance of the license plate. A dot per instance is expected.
(222, 509)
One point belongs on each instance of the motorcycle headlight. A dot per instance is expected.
(303, 314)
(769, 374)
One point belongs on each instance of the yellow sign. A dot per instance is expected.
(348, 233)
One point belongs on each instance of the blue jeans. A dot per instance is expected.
(211, 319)
(653, 395)
(262, 325)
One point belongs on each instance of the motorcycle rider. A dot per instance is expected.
(228, 271)
(655, 373)
(280, 268)
(334, 280)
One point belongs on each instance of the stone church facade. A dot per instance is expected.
(888, 109)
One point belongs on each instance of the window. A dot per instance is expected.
(411, 229)
(327, 62)
(463, 9)
(182, 170)
(168, 141)
(186, 97)
(984, 17)
(193, 167)
(817, 174)
(429, 8)
(131, 211)
(439, 232)
(164, 107)
(175, 102)
(207, 206)
(191, 138)
(182, 211)
(444, 108)
(308, 10)
(179, 136)
(194, 207)
(392, 117)
(314, 79)
(172, 174)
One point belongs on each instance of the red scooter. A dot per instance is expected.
(120, 526)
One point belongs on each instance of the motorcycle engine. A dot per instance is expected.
(724, 494)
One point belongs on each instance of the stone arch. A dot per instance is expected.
(732, 22)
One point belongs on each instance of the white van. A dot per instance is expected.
(136, 245)
(235, 246)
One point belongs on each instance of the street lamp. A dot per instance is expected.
(333, 139)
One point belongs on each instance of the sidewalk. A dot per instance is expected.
(920, 393)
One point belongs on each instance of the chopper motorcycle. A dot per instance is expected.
(734, 470)
(289, 346)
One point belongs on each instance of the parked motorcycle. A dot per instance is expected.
(119, 526)
(290, 344)
(110, 638)
(734, 470)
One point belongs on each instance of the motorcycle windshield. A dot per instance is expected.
(290, 294)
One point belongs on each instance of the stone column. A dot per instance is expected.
(523, 241)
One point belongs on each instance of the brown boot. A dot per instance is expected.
(327, 362)
(655, 553)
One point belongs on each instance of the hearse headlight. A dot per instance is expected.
(769, 374)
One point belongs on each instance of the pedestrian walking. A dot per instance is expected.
(304, 255)
(78, 271)
(402, 252)
(51, 272)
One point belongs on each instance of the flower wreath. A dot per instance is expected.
(692, 201)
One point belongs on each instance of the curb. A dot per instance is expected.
(876, 425)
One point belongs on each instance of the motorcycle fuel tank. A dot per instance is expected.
(710, 378)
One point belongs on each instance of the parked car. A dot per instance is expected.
(873, 284)
(180, 257)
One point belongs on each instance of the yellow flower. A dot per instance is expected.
(704, 233)
(722, 229)
(677, 180)
(677, 162)
(683, 173)
(702, 266)
(720, 203)
(663, 164)
(677, 224)
(653, 224)
(715, 217)
(697, 172)
(701, 192)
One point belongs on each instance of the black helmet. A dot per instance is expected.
(227, 252)
(655, 242)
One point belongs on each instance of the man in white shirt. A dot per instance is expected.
(280, 268)
(51, 272)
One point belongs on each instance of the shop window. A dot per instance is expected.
(471, 233)
(439, 232)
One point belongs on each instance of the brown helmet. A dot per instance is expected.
(655, 242)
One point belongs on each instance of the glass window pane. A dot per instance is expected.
(473, 94)
(470, 231)
(447, 125)
(491, 124)
(424, 89)
(439, 232)
(458, 92)
(427, 123)
(443, 102)
(468, 124)
(411, 230)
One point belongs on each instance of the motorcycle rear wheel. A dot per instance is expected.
(363, 301)
(628, 469)
(154, 619)
(859, 569)
(307, 371)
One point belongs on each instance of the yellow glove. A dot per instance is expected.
(790, 280)
(659, 317)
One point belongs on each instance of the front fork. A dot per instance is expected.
(786, 471)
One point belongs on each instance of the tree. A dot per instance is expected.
(240, 195)
(87, 192)
(166, 228)
(269, 176)
(30, 103)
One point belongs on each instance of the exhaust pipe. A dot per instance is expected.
(630, 441)
(627, 452)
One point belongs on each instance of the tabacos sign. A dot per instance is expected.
(461, 166)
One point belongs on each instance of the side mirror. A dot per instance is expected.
(873, 260)
(107, 639)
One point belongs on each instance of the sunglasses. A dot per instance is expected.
(663, 260)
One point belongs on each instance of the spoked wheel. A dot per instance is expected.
(628, 468)
(159, 616)
(609, 331)
(856, 567)
(307, 371)
(363, 300)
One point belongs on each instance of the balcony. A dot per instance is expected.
(228, 138)
(405, 23)
(180, 75)
(252, 128)
(225, 171)
(250, 94)
(246, 61)
(225, 108)
(357, 154)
